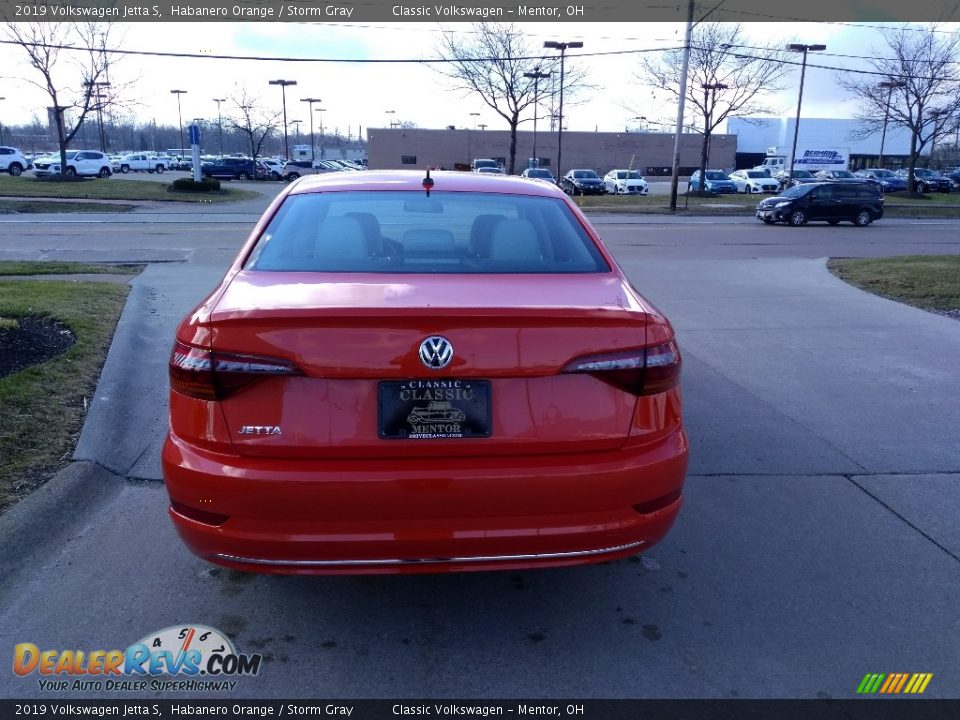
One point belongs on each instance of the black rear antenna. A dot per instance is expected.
(428, 182)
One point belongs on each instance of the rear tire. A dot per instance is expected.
(797, 218)
(292, 176)
(863, 218)
(15, 169)
(124, 169)
(71, 172)
(159, 169)
(104, 173)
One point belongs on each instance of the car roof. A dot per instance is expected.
(412, 180)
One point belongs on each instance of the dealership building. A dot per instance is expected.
(649, 153)
(755, 135)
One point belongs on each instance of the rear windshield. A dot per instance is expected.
(716, 176)
(408, 232)
(580, 174)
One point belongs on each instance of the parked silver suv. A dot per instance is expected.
(12, 160)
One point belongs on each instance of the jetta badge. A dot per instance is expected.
(436, 352)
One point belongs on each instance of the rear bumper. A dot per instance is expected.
(424, 515)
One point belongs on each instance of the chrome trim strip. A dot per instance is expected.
(427, 561)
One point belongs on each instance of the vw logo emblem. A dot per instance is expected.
(436, 352)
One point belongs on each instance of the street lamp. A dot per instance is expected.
(889, 86)
(390, 121)
(536, 76)
(482, 126)
(797, 47)
(95, 89)
(475, 115)
(562, 47)
(220, 121)
(642, 118)
(313, 152)
(710, 91)
(178, 93)
(322, 138)
(1, 126)
(283, 89)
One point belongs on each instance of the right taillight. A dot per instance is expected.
(209, 375)
(643, 371)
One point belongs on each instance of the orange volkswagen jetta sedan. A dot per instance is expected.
(403, 373)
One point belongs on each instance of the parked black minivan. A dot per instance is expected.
(859, 202)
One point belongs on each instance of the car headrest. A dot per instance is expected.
(340, 238)
(515, 241)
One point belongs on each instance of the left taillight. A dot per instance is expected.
(643, 371)
(210, 375)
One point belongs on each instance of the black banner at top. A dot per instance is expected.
(457, 11)
(423, 709)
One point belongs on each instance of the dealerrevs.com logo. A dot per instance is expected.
(204, 656)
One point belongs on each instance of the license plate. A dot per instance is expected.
(429, 409)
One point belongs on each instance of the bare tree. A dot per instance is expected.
(253, 121)
(727, 76)
(491, 62)
(920, 69)
(77, 85)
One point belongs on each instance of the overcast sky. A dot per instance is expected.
(356, 95)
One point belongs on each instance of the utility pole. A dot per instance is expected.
(675, 179)
(178, 93)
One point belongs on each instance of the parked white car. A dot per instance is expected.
(625, 182)
(754, 181)
(142, 162)
(12, 160)
(86, 163)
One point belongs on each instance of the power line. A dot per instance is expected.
(265, 58)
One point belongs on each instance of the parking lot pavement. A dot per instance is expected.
(817, 541)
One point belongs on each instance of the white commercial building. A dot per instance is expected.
(755, 135)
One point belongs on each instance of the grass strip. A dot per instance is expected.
(930, 282)
(114, 189)
(44, 406)
(31, 267)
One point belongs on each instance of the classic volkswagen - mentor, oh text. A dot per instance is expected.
(409, 374)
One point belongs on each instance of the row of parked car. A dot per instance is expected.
(760, 181)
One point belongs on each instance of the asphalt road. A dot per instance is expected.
(818, 541)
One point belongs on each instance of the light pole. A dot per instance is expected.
(475, 115)
(889, 85)
(642, 118)
(536, 75)
(220, 121)
(322, 137)
(390, 121)
(562, 47)
(283, 89)
(95, 90)
(178, 93)
(296, 131)
(710, 91)
(482, 126)
(313, 152)
(1, 126)
(797, 47)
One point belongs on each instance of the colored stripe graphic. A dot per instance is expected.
(870, 683)
(903, 681)
(894, 683)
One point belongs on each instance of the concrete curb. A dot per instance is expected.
(52, 514)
